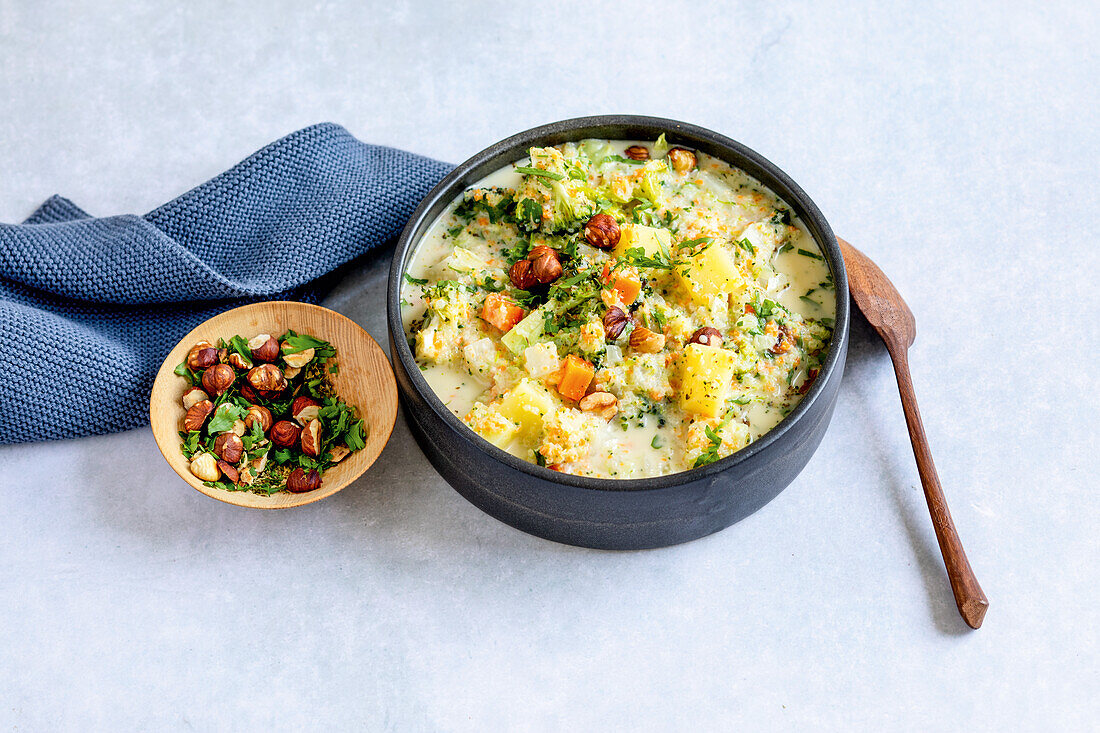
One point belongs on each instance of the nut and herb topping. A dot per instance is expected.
(263, 415)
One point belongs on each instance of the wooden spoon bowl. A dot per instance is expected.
(365, 380)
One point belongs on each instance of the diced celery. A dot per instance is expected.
(525, 333)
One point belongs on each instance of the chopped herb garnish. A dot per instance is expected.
(538, 172)
(621, 159)
(710, 455)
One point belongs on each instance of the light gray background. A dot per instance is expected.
(956, 144)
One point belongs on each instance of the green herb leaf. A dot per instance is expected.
(294, 343)
(225, 415)
(415, 280)
(710, 455)
(355, 439)
(538, 172)
(621, 159)
(694, 242)
(529, 212)
(240, 345)
(806, 253)
(637, 256)
(192, 378)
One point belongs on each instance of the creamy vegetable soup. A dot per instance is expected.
(619, 309)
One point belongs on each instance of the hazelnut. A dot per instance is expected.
(248, 393)
(238, 428)
(299, 359)
(301, 481)
(284, 434)
(546, 268)
(271, 396)
(196, 415)
(603, 404)
(229, 447)
(646, 341)
(602, 231)
(540, 251)
(264, 348)
(637, 152)
(223, 356)
(682, 159)
(811, 376)
(229, 472)
(706, 336)
(266, 378)
(257, 414)
(305, 409)
(239, 362)
(311, 438)
(193, 396)
(521, 276)
(614, 322)
(218, 378)
(338, 453)
(201, 356)
(205, 467)
(291, 372)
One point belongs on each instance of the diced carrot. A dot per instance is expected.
(501, 312)
(627, 283)
(576, 374)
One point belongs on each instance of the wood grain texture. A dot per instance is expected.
(882, 305)
(366, 380)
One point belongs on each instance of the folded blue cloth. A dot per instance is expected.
(89, 307)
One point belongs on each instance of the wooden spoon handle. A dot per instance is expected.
(969, 596)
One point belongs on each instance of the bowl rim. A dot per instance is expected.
(248, 499)
(565, 130)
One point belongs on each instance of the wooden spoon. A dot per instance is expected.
(879, 301)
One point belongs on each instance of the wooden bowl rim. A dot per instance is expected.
(380, 426)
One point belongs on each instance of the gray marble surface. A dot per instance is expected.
(955, 143)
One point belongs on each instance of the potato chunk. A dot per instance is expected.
(653, 241)
(488, 422)
(705, 379)
(527, 404)
(712, 271)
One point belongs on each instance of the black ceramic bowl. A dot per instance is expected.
(609, 513)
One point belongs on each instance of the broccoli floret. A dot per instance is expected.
(554, 197)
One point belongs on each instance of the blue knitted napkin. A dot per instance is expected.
(89, 307)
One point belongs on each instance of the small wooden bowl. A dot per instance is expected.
(365, 381)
